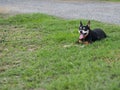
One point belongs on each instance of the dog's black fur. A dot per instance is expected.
(88, 36)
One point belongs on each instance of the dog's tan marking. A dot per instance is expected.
(86, 42)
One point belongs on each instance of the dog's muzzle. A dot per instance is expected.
(81, 36)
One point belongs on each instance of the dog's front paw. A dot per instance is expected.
(79, 42)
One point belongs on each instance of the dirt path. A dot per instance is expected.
(69, 9)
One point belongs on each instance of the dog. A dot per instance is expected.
(88, 36)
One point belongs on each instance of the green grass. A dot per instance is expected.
(33, 55)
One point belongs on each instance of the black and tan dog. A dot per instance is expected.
(88, 36)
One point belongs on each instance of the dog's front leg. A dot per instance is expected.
(79, 41)
(86, 42)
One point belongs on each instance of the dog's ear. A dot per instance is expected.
(88, 24)
(81, 24)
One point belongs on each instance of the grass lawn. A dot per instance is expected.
(34, 56)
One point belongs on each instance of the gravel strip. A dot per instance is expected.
(74, 9)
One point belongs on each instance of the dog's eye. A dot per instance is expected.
(80, 28)
(83, 28)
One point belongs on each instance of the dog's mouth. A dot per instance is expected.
(82, 36)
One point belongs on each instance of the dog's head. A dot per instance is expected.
(84, 30)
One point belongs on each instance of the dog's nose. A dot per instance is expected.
(80, 31)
